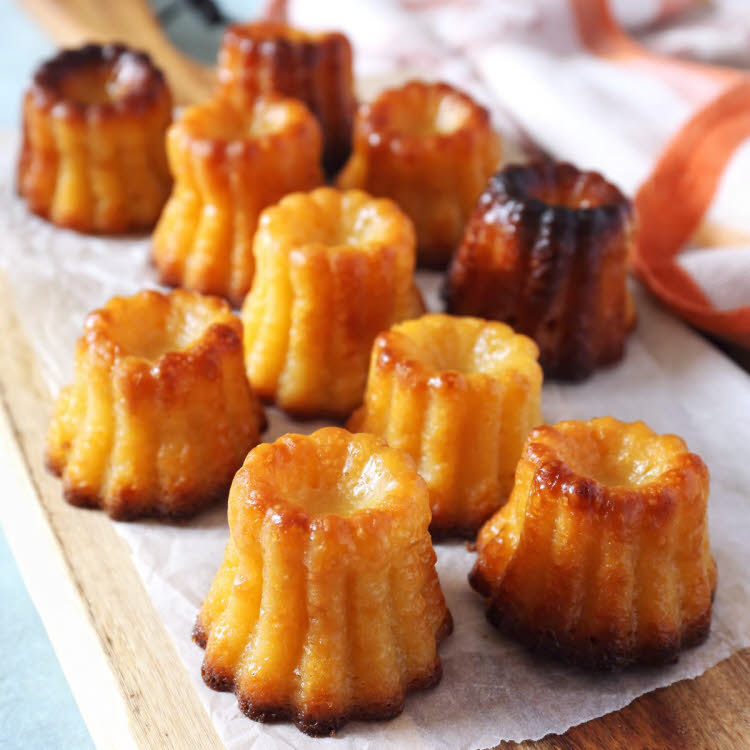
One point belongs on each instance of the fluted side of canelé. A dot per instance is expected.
(464, 430)
(260, 58)
(153, 438)
(601, 576)
(99, 166)
(435, 176)
(324, 618)
(546, 251)
(203, 240)
(316, 307)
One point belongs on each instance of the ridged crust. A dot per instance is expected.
(265, 57)
(92, 156)
(546, 251)
(407, 147)
(327, 607)
(140, 435)
(334, 268)
(459, 395)
(228, 166)
(601, 574)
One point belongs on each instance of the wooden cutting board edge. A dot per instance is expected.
(125, 674)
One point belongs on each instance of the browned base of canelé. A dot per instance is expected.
(130, 505)
(440, 532)
(589, 653)
(320, 723)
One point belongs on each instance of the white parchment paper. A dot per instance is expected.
(491, 690)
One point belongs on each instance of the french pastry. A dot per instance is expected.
(431, 148)
(459, 395)
(334, 268)
(601, 555)
(92, 155)
(327, 606)
(546, 251)
(160, 415)
(264, 57)
(229, 164)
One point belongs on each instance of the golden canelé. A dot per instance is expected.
(601, 555)
(228, 165)
(160, 414)
(92, 155)
(431, 148)
(327, 606)
(546, 251)
(334, 268)
(264, 57)
(459, 395)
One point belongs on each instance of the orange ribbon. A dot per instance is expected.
(677, 194)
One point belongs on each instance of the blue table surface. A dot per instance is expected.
(37, 709)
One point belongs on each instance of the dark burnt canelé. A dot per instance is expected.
(546, 251)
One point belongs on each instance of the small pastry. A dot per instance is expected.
(601, 555)
(546, 251)
(92, 155)
(327, 606)
(228, 166)
(160, 415)
(264, 57)
(459, 395)
(430, 148)
(334, 268)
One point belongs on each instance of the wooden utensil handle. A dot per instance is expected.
(74, 22)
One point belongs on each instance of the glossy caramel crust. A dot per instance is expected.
(464, 428)
(601, 575)
(99, 166)
(546, 251)
(222, 183)
(435, 177)
(324, 617)
(319, 300)
(162, 437)
(260, 58)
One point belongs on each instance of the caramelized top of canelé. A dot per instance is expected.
(150, 324)
(436, 344)
(305, 480)
(605, 467)
(248, 34)
(422, 114)
(556, 186)
(98, 80)
(218, 125)
(338, 219)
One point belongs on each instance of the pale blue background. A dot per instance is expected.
(37, 710)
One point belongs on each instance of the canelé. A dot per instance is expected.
(601, 555)
(333, 269)
(459, 395)
(229, 164)
(92, 154)
(327, 606)
(546, 251)
(160, 415)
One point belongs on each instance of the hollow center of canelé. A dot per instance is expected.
(616, 460)
(104, 82)
(346, 221)
(582, 190)
(225, 123)
(337, 482)
(427, 115)
(465, 345)
(162, 328)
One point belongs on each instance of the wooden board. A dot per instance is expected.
(133, 690)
